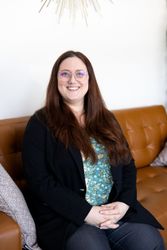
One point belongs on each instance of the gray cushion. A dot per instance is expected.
(12, 202)
(161, 159)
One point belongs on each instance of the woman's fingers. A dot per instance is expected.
(109, 212)
(108, 224)
(108, 205)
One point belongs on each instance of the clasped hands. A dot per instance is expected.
(107, 216)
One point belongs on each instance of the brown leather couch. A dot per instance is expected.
(146, 131)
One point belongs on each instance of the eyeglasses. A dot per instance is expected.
(66, 75)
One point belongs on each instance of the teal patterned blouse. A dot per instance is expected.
(98, 176)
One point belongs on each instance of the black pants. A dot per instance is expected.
(128, 236)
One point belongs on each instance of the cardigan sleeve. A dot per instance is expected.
(41, 181)
(128, 193)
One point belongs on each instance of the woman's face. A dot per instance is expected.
(73, 80)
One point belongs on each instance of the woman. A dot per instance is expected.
(80, 171)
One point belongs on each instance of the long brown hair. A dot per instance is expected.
(100, 123)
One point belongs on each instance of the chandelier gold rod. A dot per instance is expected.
(73, 6)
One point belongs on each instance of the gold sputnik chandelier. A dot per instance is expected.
(73, 6)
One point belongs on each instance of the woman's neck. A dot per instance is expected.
(76, 108)
(78, 111)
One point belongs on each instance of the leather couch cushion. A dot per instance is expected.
(11, 136)
(9, 233)
(145, 130)
(152, 192)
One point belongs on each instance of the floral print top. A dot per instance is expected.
(98, 176)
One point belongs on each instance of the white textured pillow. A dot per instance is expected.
(12, 202)
(161, 159)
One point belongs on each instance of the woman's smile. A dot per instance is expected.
(73, 88)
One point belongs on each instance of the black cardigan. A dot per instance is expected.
(57, 187)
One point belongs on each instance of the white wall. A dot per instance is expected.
(125, 43)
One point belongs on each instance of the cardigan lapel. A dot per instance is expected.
(115, 173)
(76, 155)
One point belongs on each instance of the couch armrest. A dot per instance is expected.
(10, 237)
